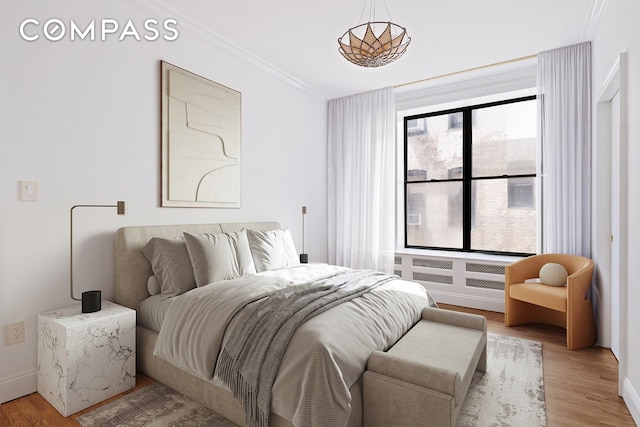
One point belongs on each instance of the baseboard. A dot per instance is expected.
(18, 385)
(472, 301)
(631, 399)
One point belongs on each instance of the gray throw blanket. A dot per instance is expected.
(257, 335)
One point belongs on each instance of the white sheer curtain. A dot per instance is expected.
(361, 180)
(564, 100)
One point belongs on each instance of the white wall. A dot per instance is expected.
(617, 32)
(83, 119)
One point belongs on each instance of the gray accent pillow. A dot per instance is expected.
(220, 256)
(153, 286)
(272, 249)
(171, 265)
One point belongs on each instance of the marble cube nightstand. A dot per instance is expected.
(85, 358)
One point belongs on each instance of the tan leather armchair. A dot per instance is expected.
(564, 306)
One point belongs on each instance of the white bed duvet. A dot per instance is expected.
(325, 356)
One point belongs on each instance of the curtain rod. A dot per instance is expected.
(495, 64)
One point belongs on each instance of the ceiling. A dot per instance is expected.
(297, 39)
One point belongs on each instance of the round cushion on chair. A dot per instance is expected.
(553, 274)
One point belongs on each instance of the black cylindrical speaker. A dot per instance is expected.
(91, 301)
(304, 258)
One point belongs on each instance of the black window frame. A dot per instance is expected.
(467, 180)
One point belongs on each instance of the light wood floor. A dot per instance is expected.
(580, 386)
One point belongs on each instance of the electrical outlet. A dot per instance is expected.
(14, 333)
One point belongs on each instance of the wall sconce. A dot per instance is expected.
(91, 300)
(304, 258)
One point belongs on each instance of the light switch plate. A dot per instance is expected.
(29, 191)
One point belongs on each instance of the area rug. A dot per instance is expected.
(510, 393)
(155, 405)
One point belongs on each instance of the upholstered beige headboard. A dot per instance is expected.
(132, 270)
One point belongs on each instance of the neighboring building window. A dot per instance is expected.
(470, 178)
(521, 193)
(455, 121)
(415, 127)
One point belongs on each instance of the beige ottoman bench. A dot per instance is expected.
(423, 379)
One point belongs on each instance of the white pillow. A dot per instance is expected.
(272, 249)
(221, 256)
(553, 274)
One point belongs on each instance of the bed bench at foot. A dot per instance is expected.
(423, 379)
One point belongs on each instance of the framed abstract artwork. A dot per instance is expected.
(201, 141)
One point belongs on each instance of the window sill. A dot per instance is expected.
(454, 255)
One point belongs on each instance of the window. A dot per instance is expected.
(470, 178)
(521, 193)
(455, 121)
(415, 127)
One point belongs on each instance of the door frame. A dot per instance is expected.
(616, 81)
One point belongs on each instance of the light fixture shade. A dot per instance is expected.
(122, 207)
(361, 46)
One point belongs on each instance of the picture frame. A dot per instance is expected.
(201, 141)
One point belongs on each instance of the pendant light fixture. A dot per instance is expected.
(374, 43)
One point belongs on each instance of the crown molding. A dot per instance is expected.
(209, 36)
(596, 12)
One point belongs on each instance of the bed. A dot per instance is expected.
(163, 329)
